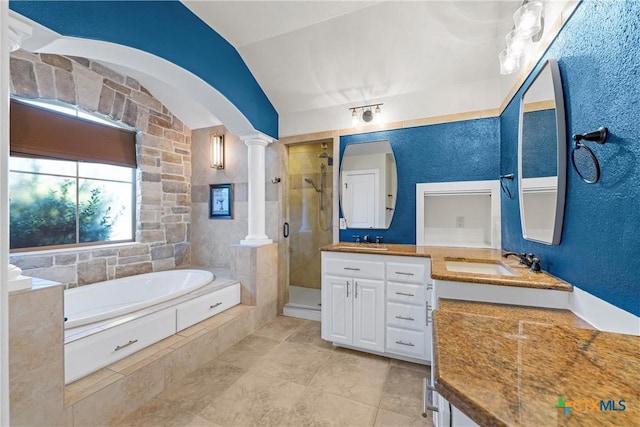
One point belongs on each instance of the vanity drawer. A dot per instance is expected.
(191, 312)
(406, 316)
(406, 293)
(354, 268)
(404, 272)
(406, 342)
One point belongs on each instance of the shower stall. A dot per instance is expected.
(311, 217)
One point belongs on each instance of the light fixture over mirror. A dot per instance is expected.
(542, 157)
(528, 28)
(368, 185)
(217, 151)
(371, 112)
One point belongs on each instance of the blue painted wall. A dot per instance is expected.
(459, 151)
(166, 29)
(598, 53)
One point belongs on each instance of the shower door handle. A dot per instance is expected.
(285, 230)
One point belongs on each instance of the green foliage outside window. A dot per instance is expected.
(43, 212)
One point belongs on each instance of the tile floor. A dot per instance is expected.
(285, 375)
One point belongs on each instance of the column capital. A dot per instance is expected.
(256, 139)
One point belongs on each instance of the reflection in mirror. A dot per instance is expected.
(368, 184)
(542, 154)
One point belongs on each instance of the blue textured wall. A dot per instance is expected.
(459, 151)
(166, 29)
(598, 52)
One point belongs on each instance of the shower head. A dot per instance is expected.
(310, 181)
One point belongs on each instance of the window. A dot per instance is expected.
(71, 181)
(58, 202)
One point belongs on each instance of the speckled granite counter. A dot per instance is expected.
(440, 254)
(508, 365)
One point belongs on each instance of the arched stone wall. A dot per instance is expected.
(163, 202)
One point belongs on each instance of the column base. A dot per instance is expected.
(253, 241)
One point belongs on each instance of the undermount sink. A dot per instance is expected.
(479, 267)
(365, 247)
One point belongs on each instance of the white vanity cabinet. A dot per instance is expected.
(353, 302)
(408, 307)
(377, 303)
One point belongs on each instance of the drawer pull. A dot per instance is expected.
(405, 294)
(347, 289)
(405, 318)
(408, 344)
(403, 273)
(215, 305)
(351, 268)
(120, 347)
(429, 286)
(428, 307)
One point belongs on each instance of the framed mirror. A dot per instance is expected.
(368, 185)
(542, 157)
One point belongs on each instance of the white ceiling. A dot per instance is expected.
(314, 59)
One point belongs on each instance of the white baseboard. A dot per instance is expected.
(603, 315)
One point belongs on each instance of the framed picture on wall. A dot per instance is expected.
(220, 201)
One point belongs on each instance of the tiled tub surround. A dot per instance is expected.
(91, 346)
(38, 395)
(508, 365)
(163, 151)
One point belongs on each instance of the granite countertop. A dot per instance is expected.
(510, 365)
(440, 254)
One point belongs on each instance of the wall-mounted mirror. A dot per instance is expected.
(542, 157)
(368, 184)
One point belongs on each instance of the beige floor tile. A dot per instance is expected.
(403, 391)
(254, 400)
(309, 333)
(247, 351)
(354, 375)
(279, 328)
(316, 408)
(198, 421)
(393, 419)
(158, 413)
(426, 369)
(293, 362)
(202, 386)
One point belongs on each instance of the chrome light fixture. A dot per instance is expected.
(217, 151)
(528, 18)
(528, 28)
(371, 112)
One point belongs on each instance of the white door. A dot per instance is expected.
(368, 314)
(360, 198)
(337, 309)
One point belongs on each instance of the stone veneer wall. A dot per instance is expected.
(163, 202)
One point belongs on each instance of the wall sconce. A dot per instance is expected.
(528, 28)
(217, 151)
(369, 113)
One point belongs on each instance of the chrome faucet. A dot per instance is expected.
(356, 238)
(529, 260)
(367, 238)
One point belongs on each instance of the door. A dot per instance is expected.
(368, 313)
(337, 309)
(360, 198)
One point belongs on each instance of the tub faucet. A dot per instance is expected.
(529, 260)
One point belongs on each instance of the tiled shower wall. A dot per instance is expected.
(311, 228)
(163, 202)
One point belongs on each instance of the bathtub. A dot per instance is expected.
(110, 320)
(113, 298)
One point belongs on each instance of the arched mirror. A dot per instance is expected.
(368, 185)
(542, 157)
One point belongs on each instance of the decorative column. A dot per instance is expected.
(256, 197)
